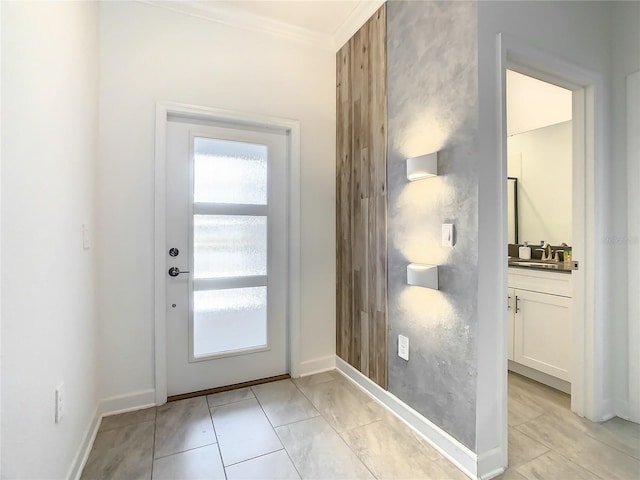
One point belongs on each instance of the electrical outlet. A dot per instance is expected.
(403, 347)
(59, 402)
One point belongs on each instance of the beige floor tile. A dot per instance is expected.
(617, 433)
(183, 425)
(529, 399)
(510, 474)
(547, 397)
(546, 440)
(124, 452)
(443, 469)
(129, 418)
(318, 452)
(584, 450)
(273, 466)
(605, 461)
(555, 434)
(231, 396)
(304, 382)
(522, 412)
(389, 451)
(523, 449)
(196, 464)
(343, 405)
(243, 431)
(405, 430)
(551, 466)
(283, 402)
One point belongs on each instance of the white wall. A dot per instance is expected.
(149, 54)
(625, 56)
(49, 93)
(543, 169)
(1, 244)
(581, 32)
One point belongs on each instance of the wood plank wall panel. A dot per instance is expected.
(361, 200)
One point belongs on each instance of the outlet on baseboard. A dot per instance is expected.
(403, 347)
(59, 402)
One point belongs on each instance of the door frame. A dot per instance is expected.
(233, 119)
(588, 152)
(633, 214)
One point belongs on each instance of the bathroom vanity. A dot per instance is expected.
(540, 322)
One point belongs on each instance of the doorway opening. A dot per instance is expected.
(578, 296)
(540, 198)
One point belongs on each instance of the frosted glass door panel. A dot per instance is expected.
(229, 172)
(229, 245)
(229, 320)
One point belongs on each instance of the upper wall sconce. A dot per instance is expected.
(422, 275)
(424, 166)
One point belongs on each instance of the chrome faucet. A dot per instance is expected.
(546, 251)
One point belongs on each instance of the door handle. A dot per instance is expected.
(175, 271)
(509, 302)
(517, 309)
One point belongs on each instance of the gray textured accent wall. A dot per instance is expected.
(432, 70)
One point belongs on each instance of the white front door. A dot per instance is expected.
(226, 240)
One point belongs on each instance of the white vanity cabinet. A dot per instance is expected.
(540, 321)
(511, 300)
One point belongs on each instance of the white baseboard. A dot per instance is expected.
(317, 365)
(540, 377)
(622, 409)
(491, 464)
(85, 447)
(608, 410)
(127, 402)
(458, 454)
(109, 406)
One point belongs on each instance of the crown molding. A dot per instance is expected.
(234, 17)
(356, 19)
(226, 14)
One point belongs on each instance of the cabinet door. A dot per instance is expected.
(511, 312)
(542, 332)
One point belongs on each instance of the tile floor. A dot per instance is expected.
(323, 427)
(547, 441)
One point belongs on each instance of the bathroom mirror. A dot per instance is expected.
(539, 156)
(512, 211)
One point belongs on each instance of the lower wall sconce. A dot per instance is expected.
(422, 275)
(424, 166)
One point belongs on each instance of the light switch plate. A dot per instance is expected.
(403, 347)
(447, 234)
(59, 395)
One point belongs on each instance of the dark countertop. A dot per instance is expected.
(549, 266)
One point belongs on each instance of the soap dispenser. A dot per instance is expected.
(524, 252)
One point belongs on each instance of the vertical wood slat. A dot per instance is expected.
(344, 283)
(361, 200)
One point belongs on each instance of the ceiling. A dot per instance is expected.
(327, 23)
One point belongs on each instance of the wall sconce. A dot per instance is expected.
(422, 275)
(424, 166)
